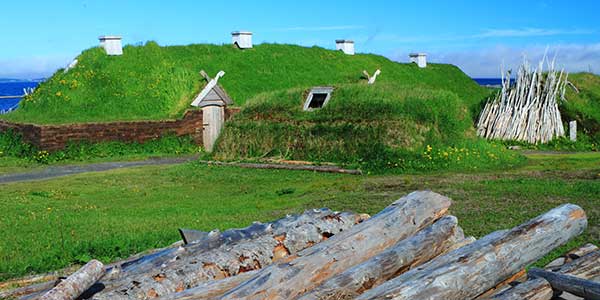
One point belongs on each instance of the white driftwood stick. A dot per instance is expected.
(77, 283)
(423, 246)
(314, 265)
(473, 269)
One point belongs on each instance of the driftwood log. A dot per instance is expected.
(566, 283)
(521, 277)
(473, 269)
(533, 289)
(585, 267)
(252, 248)
(311, 267)
(428, 243)
(211, 289)
(77, 283)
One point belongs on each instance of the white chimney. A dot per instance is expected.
(347, 46)
(419, 58)
(242, 39)
(111, 44)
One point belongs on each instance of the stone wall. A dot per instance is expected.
(56, 137)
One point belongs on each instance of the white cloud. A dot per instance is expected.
(487, 62)
(32, 67)
(485, 34)
(530, 32)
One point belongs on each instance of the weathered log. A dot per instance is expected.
(29, 289)
(324, 168)
(566, 283)
(520, 291)
(77, 283)
(423, 246)
(570, 256)
(536, 289)
(475, 268)
(216, 239)
(504, 285)
(254, 247)
(211, 289)
(314, 265)
(585, 267)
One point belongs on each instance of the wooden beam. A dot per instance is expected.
(584, 288)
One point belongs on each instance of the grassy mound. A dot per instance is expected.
(151, 82)
(584, 107)
(384, 126)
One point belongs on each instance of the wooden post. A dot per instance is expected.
(573, 130)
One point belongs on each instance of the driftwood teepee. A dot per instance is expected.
(528, 110)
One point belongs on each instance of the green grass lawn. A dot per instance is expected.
(48, 225)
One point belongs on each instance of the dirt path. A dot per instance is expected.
(58, 171)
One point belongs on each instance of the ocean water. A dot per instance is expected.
(13, 88)
(497, 82)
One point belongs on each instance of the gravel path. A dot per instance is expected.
(59, 171)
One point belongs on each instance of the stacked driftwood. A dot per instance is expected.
(411, 250)
(528, 110)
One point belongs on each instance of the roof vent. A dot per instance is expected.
(111, 44)
(419, 58)
(347, 46)
(242, 39)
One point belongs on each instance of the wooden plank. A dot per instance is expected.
(300, 167)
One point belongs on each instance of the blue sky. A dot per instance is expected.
(40, 36)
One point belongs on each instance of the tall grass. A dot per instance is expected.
(584, 107)
(380, 127)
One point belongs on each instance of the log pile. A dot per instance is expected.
(528, 110)
(413, 249)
